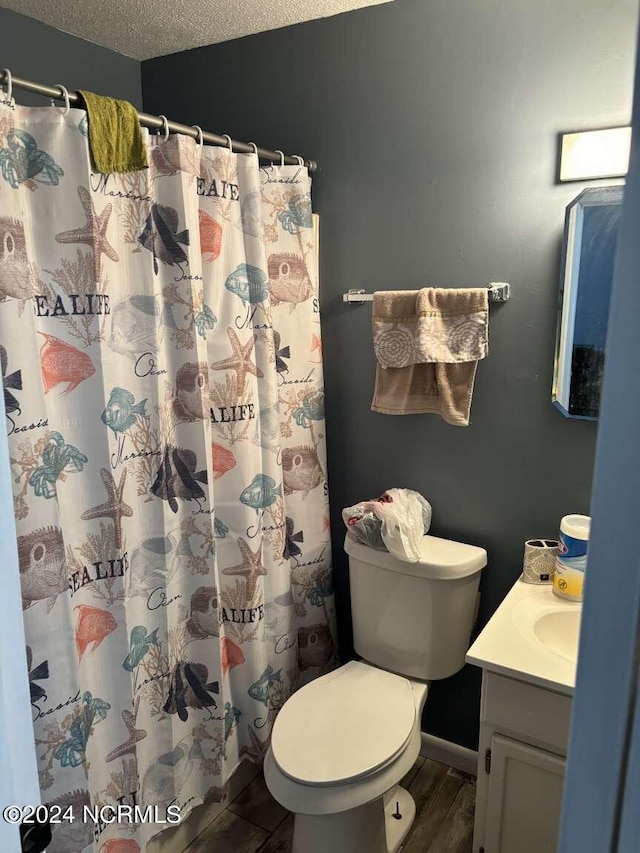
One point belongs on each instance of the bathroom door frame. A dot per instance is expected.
(602, 789)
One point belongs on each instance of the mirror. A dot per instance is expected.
(588, 252)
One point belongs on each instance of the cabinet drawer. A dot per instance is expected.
(530, 712)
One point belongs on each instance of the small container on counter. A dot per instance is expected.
(539, 560)
(571, 562)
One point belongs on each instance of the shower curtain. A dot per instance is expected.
(162, 373)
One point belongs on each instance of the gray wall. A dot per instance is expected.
(46, 55)
(435, 128)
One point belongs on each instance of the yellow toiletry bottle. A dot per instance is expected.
(571, 561)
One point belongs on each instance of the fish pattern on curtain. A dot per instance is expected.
(162, 373)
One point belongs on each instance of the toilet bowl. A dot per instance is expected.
(339, 748)
(341, 745)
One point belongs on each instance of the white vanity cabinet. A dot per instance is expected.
(524, 732)
(528, 652)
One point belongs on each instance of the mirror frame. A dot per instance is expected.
(568, 291)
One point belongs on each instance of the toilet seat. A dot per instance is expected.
(344, 726)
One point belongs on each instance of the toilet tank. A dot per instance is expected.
(415, 619)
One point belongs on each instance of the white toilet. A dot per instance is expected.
(343, 742)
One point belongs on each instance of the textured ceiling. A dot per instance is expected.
(146, 28)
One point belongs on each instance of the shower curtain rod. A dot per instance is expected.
(148, 120)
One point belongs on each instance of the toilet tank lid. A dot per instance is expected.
(440, 559)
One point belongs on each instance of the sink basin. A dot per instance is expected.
(549, 624)
(559, 632)
(533, 636)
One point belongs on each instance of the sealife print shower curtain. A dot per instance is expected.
(162, 375)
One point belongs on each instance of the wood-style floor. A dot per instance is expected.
(254, 823)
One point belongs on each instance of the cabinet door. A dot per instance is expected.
(524, 800)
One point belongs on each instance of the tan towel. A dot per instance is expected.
(427, 346)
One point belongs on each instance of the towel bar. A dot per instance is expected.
(499, 291)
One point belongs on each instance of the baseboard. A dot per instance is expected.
(447, 752)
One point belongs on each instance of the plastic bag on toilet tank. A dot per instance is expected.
(395, 522)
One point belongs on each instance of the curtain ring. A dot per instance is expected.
(278, 151)
(9, 81)
(229, 142)
(64, 92)
(254, 146)
(200, 136)
(299, 159)
(165, 125)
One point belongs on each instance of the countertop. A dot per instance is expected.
(508, 644)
